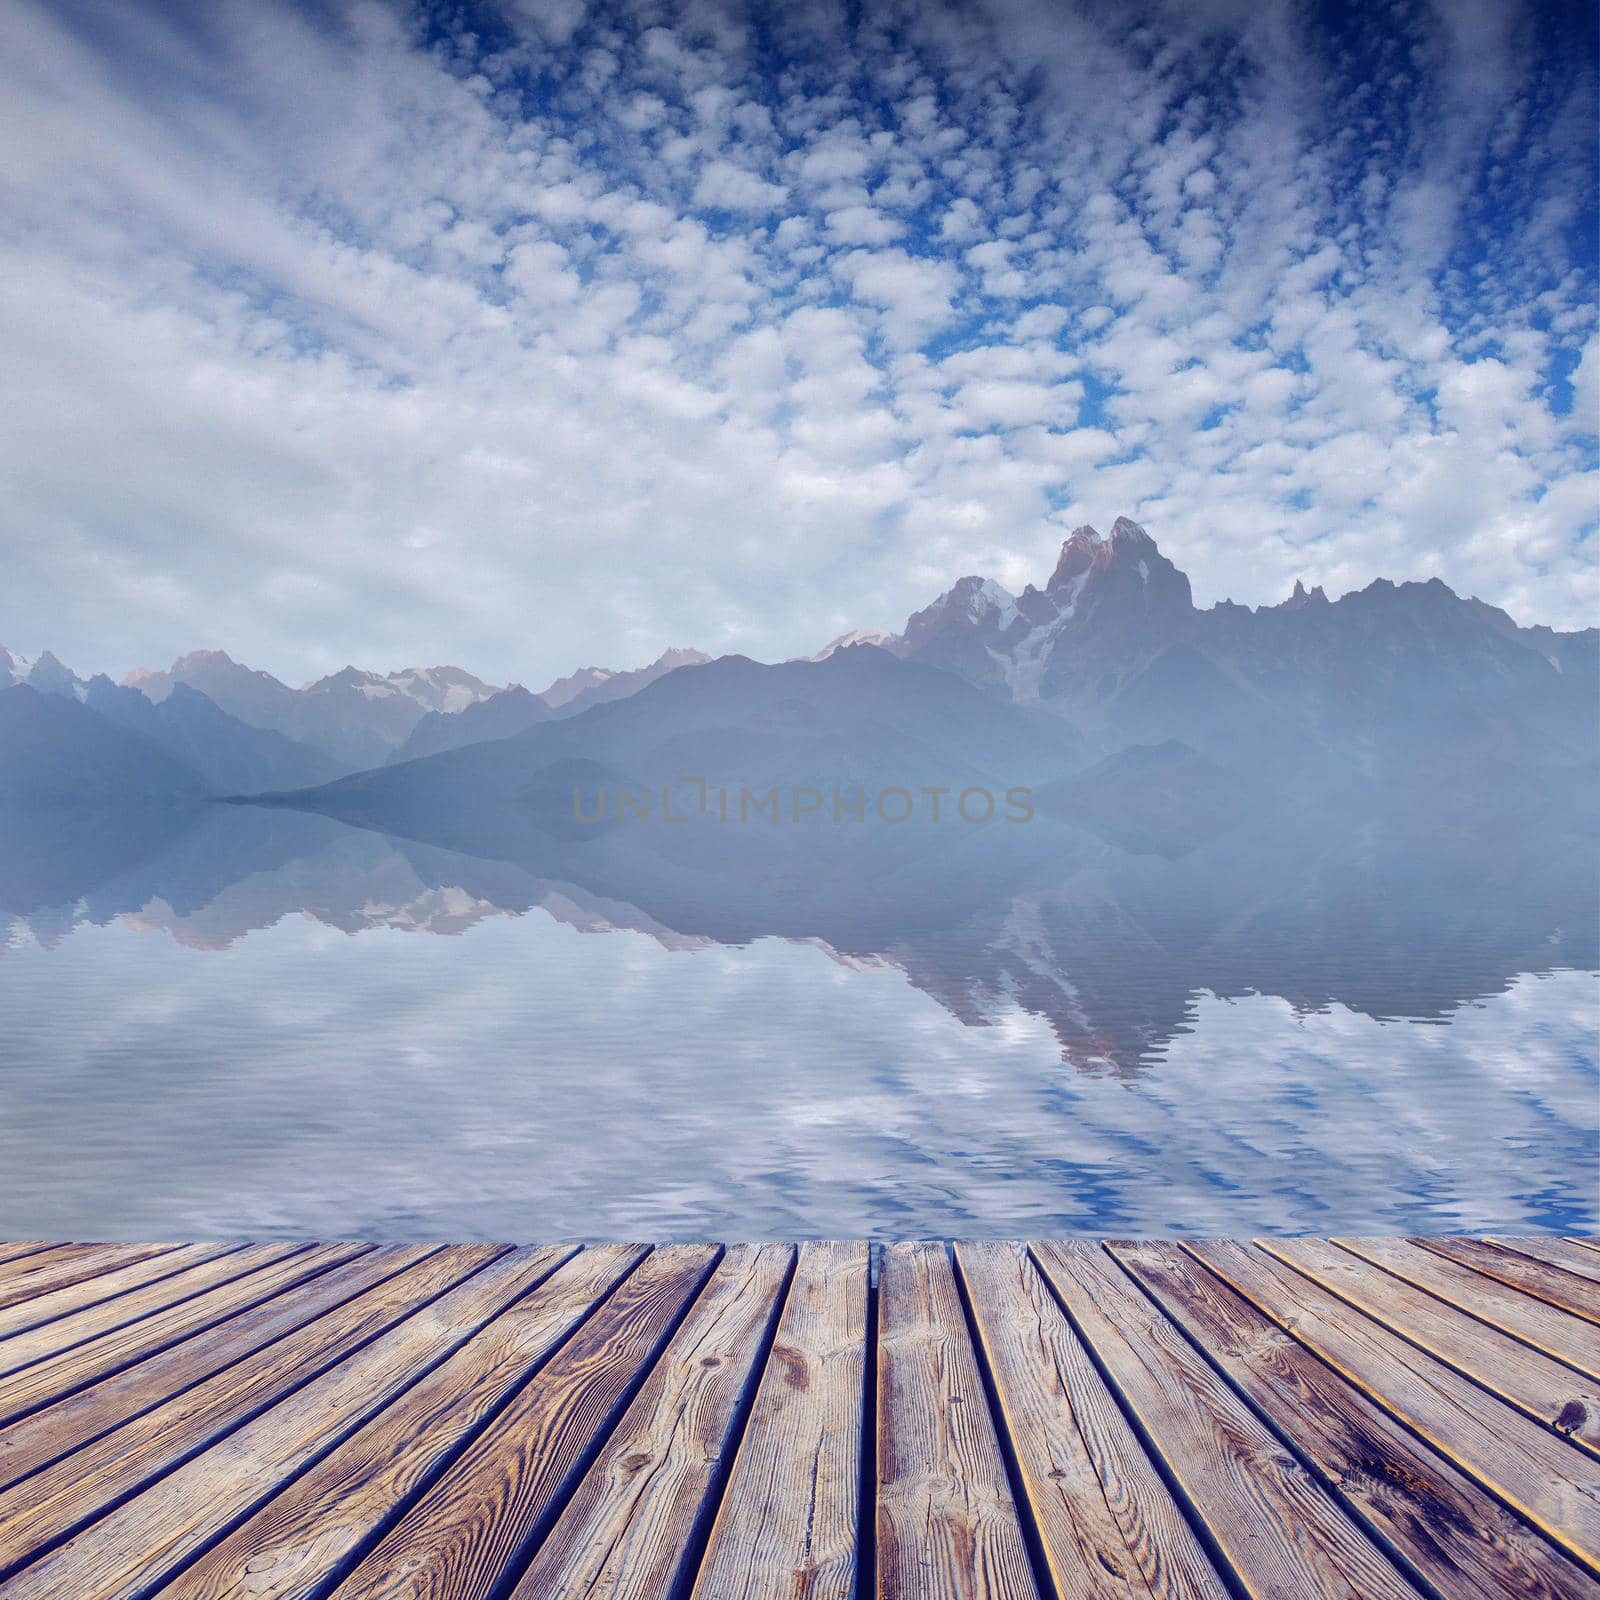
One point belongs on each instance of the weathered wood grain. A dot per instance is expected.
(297, 1541)
(188, 1507)
(1538, 1474)
(73, 1263)
(1546, 1390)
(787, 1525)
(1535, 1322)
(1274, 1523)
(629, 1531)
(1457, 1536)
(947, 1526)
(1562, 1253)
(62, 1425)
(1555, 1287)
(56, 1337)
(13, 1249)
(53, 1502)
(47, 1379)
(116, 1283)
(28, 1258)
(1106, 1522)
(1370, 1417)
(495, 1501)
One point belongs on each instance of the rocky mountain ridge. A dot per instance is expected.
(1114, 645)
(1395, 685)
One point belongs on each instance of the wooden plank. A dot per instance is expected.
(1279, 1530)
(47, 1379)
(1462, 1541)
(1534, 1322)
(1546, 1390)
(496, 1500)
(788, 1520)
(295, 1543)
(1560, 1253)
(177, 1516)
(51, 1503)
(946, 1521)
(1587, 1243)
(1106, 1522)
(629, 1530)
(14, 1249)
(55, 1339)
(29, 1257)
(60, 1269)
(1550, 1284)
(108, 1286)
(311, 1283)
(1528, 1467)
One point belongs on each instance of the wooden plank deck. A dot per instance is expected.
(1054, 1420)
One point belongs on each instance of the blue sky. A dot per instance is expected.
(541, 333)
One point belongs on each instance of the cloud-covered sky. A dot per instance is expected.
(552, 332)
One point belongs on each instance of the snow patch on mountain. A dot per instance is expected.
(882, 638)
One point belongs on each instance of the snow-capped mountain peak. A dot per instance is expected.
(47, 674)
(14, 668)
(881, 637)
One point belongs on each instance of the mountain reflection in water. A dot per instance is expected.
(1063, 957)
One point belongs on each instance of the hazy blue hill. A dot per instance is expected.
(859, 718)
(501, 716)
(55, 751)
(229, 755)
(514, 710)
(1161, 798)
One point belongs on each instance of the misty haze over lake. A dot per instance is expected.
(994, 1034)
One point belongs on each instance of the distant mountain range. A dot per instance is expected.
(1389, 678)
(858, 722)
(512, 711)
(1107, 689)
(232, 730)
(355, 717)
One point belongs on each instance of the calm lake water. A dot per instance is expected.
(258, 1024)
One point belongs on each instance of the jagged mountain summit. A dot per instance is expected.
(47, 675)
(361, 719)
(441, 689)
(1405, 686)
(240, 730)
(353, 716)
(1408, 674)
